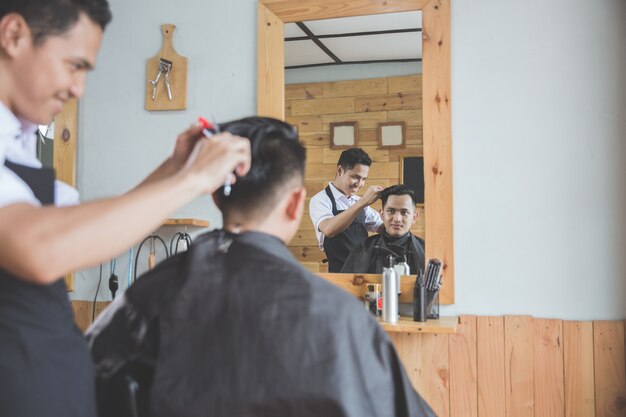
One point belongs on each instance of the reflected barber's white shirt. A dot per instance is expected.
(18, 144)
(320, 208)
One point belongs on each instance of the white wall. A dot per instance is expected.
(351, 72)
(539, 127)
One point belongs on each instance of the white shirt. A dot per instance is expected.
(18, 144)
(321, 208)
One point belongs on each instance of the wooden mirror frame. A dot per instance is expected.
(273, 14)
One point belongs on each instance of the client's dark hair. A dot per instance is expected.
(398, 189)
(277, 159)
(353, 156)
(55, 17)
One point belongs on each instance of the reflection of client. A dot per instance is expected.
(398, 215)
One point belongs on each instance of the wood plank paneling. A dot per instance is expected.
(406, 84)
(83, 312)
(314, 139)
(304, 238)
(408, 346)
(412, 118)
(434, 383)
(578, 369)
(306, 124)
(548, 368)
(367, 120)
(518, 347)
(610, 381)
(398, 101)
(490, 373)
(303, 91)
(315, 156)
(463, 385)
(322, 105)
(354, 88)
(307, 253)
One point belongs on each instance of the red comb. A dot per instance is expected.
(205, 123)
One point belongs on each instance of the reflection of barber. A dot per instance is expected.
(342, 219)
(398, 214)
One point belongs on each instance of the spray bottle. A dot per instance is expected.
(390, 292)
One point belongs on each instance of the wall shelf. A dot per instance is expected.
(186, 222)
(407, 325)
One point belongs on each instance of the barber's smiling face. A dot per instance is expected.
(398, 215)
(48, 74)
(350, 181)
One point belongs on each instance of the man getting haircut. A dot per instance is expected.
(398, 214)
(236, 326)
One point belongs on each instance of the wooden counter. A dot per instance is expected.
(407, 325)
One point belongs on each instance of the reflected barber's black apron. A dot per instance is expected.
(338, 247)
(45, 366)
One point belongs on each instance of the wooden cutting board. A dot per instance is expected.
(178, 76)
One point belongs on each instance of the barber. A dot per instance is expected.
(46, 48)
(341, 218)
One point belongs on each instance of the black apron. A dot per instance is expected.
(338, 247)
(45, 367)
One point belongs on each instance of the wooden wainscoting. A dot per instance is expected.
(511, 366)
(518, 366)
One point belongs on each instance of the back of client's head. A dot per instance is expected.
(277, 166)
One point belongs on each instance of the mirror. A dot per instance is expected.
(273, 14)
(356, 82)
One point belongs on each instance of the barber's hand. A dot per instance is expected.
(185, 143)
(213, 160)
(371, 194)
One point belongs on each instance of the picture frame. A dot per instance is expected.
(392, 135)
(344, 135)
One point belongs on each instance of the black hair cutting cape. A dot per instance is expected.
(236, 327)
(365, 258)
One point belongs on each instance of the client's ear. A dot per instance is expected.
(295, 205)
(217, 201)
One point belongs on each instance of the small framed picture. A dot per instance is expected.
(344, 135)
(391, 135)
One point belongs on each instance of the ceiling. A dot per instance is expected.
(392, 37)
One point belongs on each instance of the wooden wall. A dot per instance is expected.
(312, 107)
(518, 366)
(511, 366)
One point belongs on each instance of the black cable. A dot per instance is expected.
(114, 282)
(156, 237)
(95, 298)
(178, 237)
